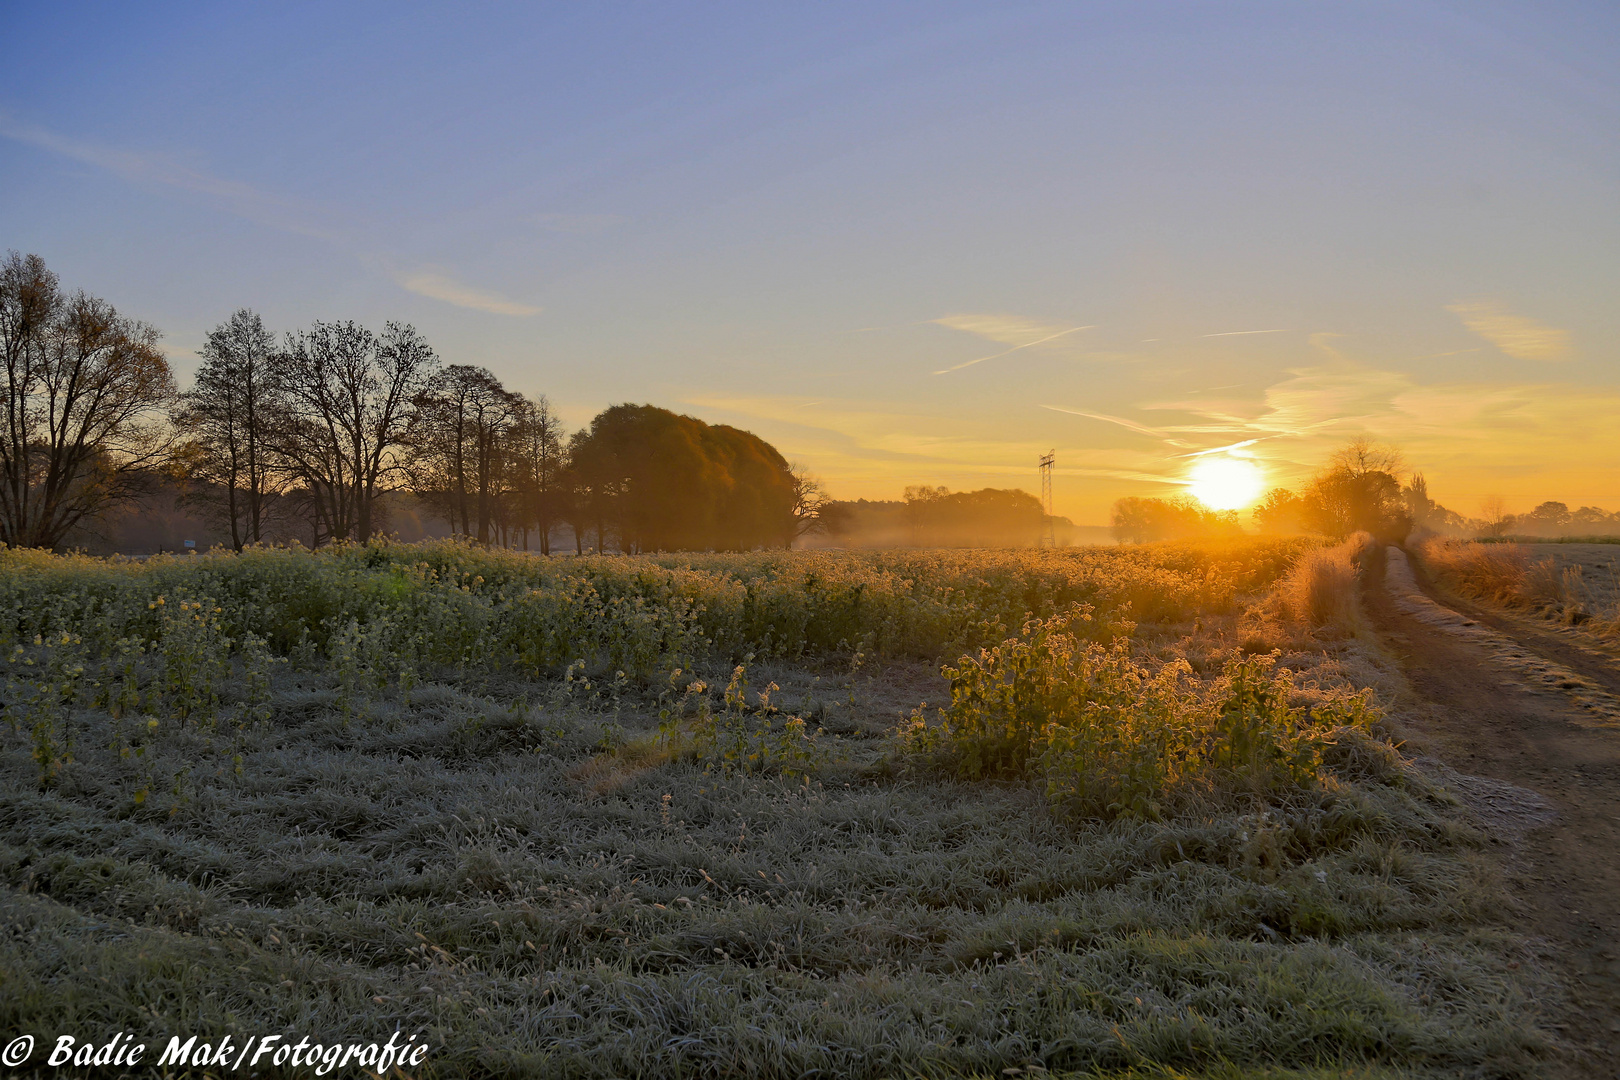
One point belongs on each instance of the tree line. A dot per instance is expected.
(305, 435)
(1358, 490)
(939, 517)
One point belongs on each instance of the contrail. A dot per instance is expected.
(1015, 348)
(1230, 446)
(1240, 333)
(1140, 429)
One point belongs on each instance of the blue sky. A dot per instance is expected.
(906, 243)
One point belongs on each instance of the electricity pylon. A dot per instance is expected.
(1048, 530)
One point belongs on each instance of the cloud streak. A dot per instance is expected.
(1005, 329)
(1132, 425)
(439, 286)
(1519, 336)
(246, 201)
(240, 198)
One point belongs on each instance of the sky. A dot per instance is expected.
(905, 243)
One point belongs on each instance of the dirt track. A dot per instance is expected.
(1493, 698)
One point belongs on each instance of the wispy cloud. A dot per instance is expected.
(440, 286)
(1520, 336)
(1006, 329)
(148, 167)
(247, 201)
(1469, 437)
(876, 452)
(578, 224)
(1236, 449)
(1132, 425)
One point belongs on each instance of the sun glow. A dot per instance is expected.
(1222, 482)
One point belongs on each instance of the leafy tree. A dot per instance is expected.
(989, 517)
(1419, 507)
(661, 481)
(1548, 519)
(1360, 490)
(83, 390)
(1593, 519)
(755, 505)
(227, 414)
(1281, 511)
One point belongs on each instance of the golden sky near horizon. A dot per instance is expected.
(1528, 439)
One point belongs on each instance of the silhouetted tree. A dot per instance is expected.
(1495, 519)
(1593, 520)
(1281, 511)
(227, 415)
(989, 517)
(809, 503)
(83, 388)
(537, 462)
(1140, 521)
(1360, 490)
(458, 443)
(345, 399)
(661, 481)
(1548, 519)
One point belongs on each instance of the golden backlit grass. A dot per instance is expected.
(1507, 574)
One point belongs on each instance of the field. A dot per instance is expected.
(838, 814)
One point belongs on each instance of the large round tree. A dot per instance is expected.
(663, 481)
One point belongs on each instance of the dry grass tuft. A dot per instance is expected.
(1319, 590)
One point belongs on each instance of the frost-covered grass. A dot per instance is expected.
(577, 873)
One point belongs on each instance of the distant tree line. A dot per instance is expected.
(313, 434)
(1360, 489)
(1139, 520)
(939, 517)
(1549, 519)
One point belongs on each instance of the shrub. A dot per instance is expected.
(1111, 737)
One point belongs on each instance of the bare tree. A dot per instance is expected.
(83, 385)
(809, 496)
(1362, 456)
(345, 404)
(457, 446)
(227, 415)
(536, 462)
(1493, 509)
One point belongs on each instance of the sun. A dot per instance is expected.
(1222, 482)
